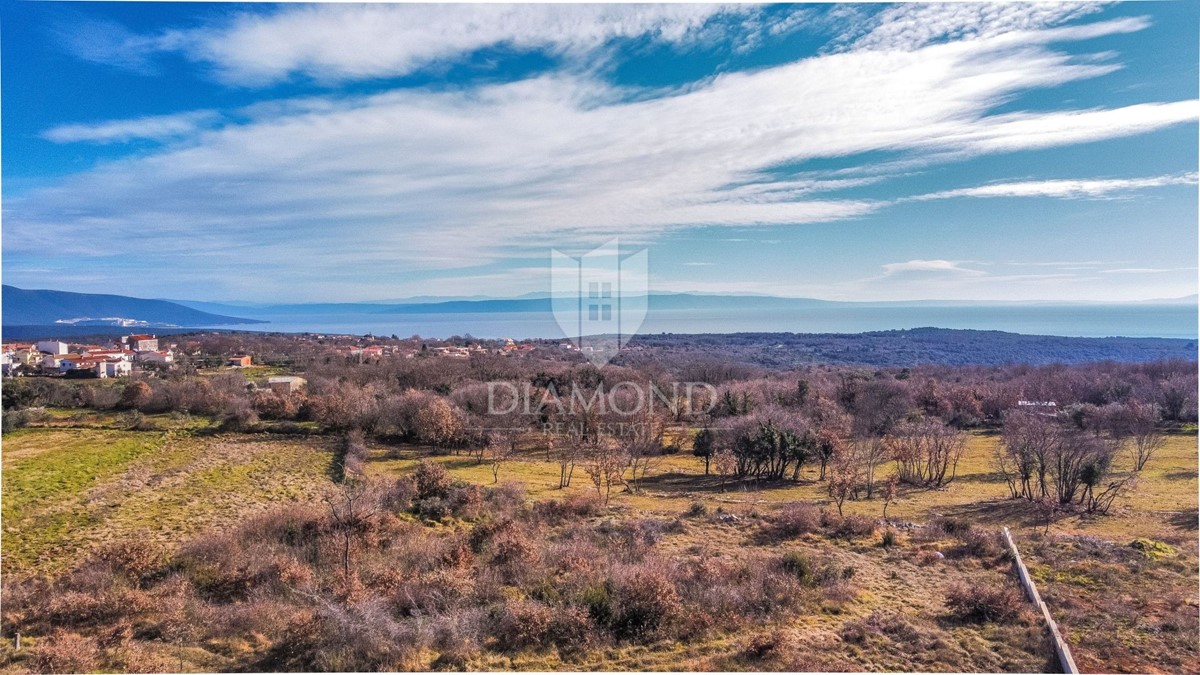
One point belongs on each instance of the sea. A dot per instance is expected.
(1140, 320)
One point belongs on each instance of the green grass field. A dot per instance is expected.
(65, 490)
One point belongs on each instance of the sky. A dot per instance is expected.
(303, 153)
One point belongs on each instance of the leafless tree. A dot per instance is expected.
(351, 504)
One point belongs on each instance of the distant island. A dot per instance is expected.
(73, 311)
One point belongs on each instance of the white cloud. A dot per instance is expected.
(1148, 270)
(418, 179)
(1065, 189)
(929, 266)
(340, 42)
(909, 26)
(119, 131)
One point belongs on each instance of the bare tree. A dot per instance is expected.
(564, 450)
(845, 477)
(927, 452)
(703, 446)
(1144, 432)
(500, 449)
(891, 489)
(351, 504)
(605, 466)
(725, 463)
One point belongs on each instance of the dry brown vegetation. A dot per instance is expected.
(829, 519)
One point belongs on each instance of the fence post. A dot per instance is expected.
(1060, 645)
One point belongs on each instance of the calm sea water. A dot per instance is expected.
(1172, 321)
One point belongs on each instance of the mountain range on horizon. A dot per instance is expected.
(25, 307)
(539, 301)
(51, 307)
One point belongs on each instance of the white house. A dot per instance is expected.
(286, 384)
(79, 362)
(164, 358)
(114, 368)
(52, 347)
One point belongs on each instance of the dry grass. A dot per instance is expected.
(889, 614)
(68, 490)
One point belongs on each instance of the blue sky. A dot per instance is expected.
(362, 152)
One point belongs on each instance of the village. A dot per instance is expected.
(145, 352)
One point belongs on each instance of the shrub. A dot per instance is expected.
(855, 525)
(645, 603)
(240, 417)
(137, 559)
(433, 508)
(889, 539)
(597, 600)
(506, 497)
(347, 638)
(796, 519)
(432, 480)
(979, 543)
(522, 624)
(65, 652)
(555, 511)
(765, 645)
(983, 602)
(399, 495)
(15, 419)
(954, 526)
(696, 510)
(465, 500)
(798, 565)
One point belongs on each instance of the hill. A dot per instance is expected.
(24, 307)
(918, 346)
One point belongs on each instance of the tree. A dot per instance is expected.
(642, 449)
(802, 389)
(1079, 461)
(824, 445)
(500, 448)
(725, 462)
(351, 504)
(605, 466)
(1029, 439)
(891, 488)
(845, 477)
(869, 453)
(770, 446)
(927, 452)
(1144, 432)
(437, 422)
(564, 450)
(702, 447)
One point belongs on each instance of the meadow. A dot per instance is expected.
(77, 484)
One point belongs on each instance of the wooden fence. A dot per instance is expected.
(1060, 645)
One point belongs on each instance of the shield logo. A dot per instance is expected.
(599, 299)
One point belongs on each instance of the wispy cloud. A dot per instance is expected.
(157, 127)
(910, 26)
(254, 48)
(1148, 270)
(929, 266)
(412, 180)
(419, 179)
(1065, 189)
